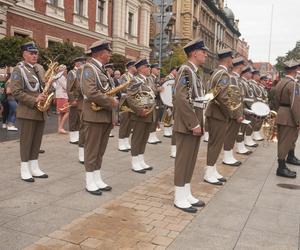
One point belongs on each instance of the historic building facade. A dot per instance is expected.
(208, 19)
(125, 23)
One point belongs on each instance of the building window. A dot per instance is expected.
(52, 41)
(52, 44)
(130, 23)
(53, 2)
(79, 7)
(101, 9)
(20, 35)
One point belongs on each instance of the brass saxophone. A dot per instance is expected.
(49, 76)
(95, 107)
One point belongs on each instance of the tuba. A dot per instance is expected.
(49, 77)
(269, 127)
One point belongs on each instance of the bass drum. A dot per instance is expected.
(260, 110)
(167, 93)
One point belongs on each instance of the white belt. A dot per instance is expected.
(199, 105)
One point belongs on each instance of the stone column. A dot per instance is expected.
(3, 21)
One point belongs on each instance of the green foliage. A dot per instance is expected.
(176, 59)
(119, 62)
(292, 54)
(10, 50)
(63, 53)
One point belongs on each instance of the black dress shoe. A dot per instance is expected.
(219, 183)
(188, 209)
(293, 160)
(285, 172)
(142, 171)
(41, 151)
(198, 204)
(158, 141)
(124, 150)
(246, 153)
(81, 162)
(222, 179)
(96, 192)
(148, 169)
(107, 188)
(236, 164)
(75, 142)
(168, 136)
(44, 176)
(252, 146)
(28, 180)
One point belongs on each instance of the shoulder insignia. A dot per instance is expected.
(15, 76)
(297, 91)
(86, 74)
(224, 81)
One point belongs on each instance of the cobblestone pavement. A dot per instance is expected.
(138, 214)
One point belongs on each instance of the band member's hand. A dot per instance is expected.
(160, 89)
(74, 103)
(115, 103)
(143, 113)
(240, 119)
(41, 97)
(197, 131)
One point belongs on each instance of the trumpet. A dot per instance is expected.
(269, 127)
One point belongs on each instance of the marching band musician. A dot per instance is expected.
(27, 90)
(155, 85)
(262, 96)
(125, 121)
(143, 117)
(97, 124)
(218, 115)
(234, 126)
(188, 124)
(73, 91)
(168, 130)
(288, 118)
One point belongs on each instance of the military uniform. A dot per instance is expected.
(154, 83)
(248, 99)
(125, 120)
(234, 126)
(288, 119)
(188, 116)
(26, 86)
(97, 124)
(141, 126)
(218, 115)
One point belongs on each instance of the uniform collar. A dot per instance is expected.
(244, 79)
(223, 67)
(28, 64)
(143, 77)
(131, 75)
(194, 66)
(288, 76)
(97, 62)
(235, 74)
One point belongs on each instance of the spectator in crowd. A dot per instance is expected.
(3, 101)
(12, 109)
(61, 96)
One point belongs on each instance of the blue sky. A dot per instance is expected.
(255, 23)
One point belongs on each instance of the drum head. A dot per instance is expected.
(260, 109)
(167, 93)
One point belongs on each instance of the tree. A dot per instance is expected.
(63, 53)
(292, 54)
(119, 62)
(10, 50)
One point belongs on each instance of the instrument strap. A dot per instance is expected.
(25, 78)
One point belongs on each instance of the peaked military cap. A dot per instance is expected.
(29, 46)
(238, 61)
(141, 62)
(155, 65)
(129, 64)
(246, 70)
(291, 64)
(88, 52)
(79, 59)
(100, 45)
(254, 71)
(264, 77)
(197, 43)
(109, 66)
(223, 53)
